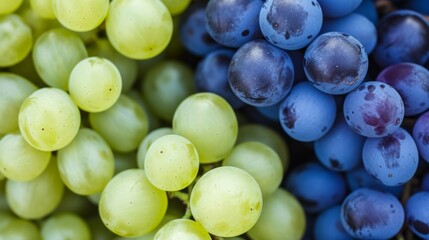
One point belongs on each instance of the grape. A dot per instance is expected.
(16, 37)
(147, 142)
(98, 230)
(282, 215)
(416, 214)
(154, 121)
(367, 8)
(72, 202)
(261, 161)
(176, 7)
(290, 24)
(37, 24)
(182, 229)
(43, 8)
(338, 8)
(18, 229)
(171, 163)
(65, 226)
(55, 54)
(80, 15)
(226, 201)
(123, 125)
(417, 5)
(95, 84)
(130, 27)
(421, 135)
(328, 225)
(7, 6)
(130, 205)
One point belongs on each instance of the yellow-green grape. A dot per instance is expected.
(87, 164)
(9, 6)
(12, 228)
(182, 229)
(139, 29)
(209, 122)
(36, 198)
(123, 126)
(261, 161)
(80, 15)
(171, 163)
(130, 205)
(176, 6)
(16, 39)
(150, 236)
(282, 216)
(55, 54)
(98, 230)
(14, 89)
(65, 225)
(147, 142)
(95, 84)
(126, 66)
(72, 202)
(266, 135)
(19, 161)
(48, 119)
(226, 201)
(166, 85)
(43, 8)
(37, 24)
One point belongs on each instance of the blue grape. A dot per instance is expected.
(271, 112)
(233, 23)
(374, 109)
(335, 63)
(403, 36)
(338, 8)
(371, 214)
(307, 114)
(421, 135)
(211, 75)
(260, 74)
(328, 225)
(367, 8)
(412, 83)
(417, 214)
(366, 33)
(327, 187)
(341, 148)
(421, 6)
(290, 24)
(392, 159)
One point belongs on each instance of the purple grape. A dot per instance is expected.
(338, 8)
(328, 225)
(417, 214)
(290, 24)
(421, 135)
(374, 109)
(412, 83)
(335, 63)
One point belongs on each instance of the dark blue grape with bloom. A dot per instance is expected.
(421, 135)
(417, 214)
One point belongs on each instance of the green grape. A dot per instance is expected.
(26, 69)
(94, 198)
(14, 89)
(95, 84)
(154, 122)
(176, 6)
(65, 225)
(127, 67)
(4, 206)
(226, 201)
(72, 202)
(43, 8)
(282, 217)
(123, 126)
(16, 39)
(166, 85)
(98, 230)
(266, 135)
(80, 15)
(182, 229)
(48, 119)
(55, 54)
(37, 24)
(171, 163)
(261, 161)
(139, 29)
(36, 198)
(12, 228)
(19, 161)
(87, 164)
(209, 122)
(125, 161)
(130, 205)
(147, 142)
(8, 6)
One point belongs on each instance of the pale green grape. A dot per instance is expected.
(209, 122)
(95, 84)
(72, 202)
(19, 161)
(37, 24)
(16, 39)
(65, 225)
(130, 205)
(125, 161)
(14, 89)
(43, 8)
(266, 135)
(12, 228)
(48, 119)
(26, 69)
(166, 85)
(55, 54)
(9, 6)
(182, 229)
(139, 29)
(226, 201)
(147, 142)
(154, 122)
(176, 6)
(87, 164)
(282, 218)
(261, 161)
(80, 15)
(171, 163)
(36, 198)
(150, 236)
(123, 126)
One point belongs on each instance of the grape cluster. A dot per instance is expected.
(214, 119)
